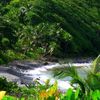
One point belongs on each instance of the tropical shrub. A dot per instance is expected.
(7, 86)
(53, 94)
(1, 61)
(5, 42)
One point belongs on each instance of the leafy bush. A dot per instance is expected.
(10, 55)
(1, 61)
(52, 93)
(77, 95)
(9, 87)
(5, 42)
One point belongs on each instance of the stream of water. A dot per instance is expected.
(29, 71)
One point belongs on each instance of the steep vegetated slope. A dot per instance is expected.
(49, 27)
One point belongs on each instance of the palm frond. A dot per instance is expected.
(96, 65)
(90, 82)
(65, 71)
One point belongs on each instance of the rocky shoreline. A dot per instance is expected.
(15, 70)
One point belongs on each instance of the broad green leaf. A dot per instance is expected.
(77, 93)
(96, 65)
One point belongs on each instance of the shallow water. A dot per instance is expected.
(45, 72)
(26, 72)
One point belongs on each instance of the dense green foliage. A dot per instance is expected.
(29, 28)
(69, 95)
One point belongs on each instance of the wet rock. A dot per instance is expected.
(15, 71)
(27, 81)
(23, 66)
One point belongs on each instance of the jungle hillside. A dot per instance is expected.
(60, 28)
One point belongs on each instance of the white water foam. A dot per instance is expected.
(42, 74)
